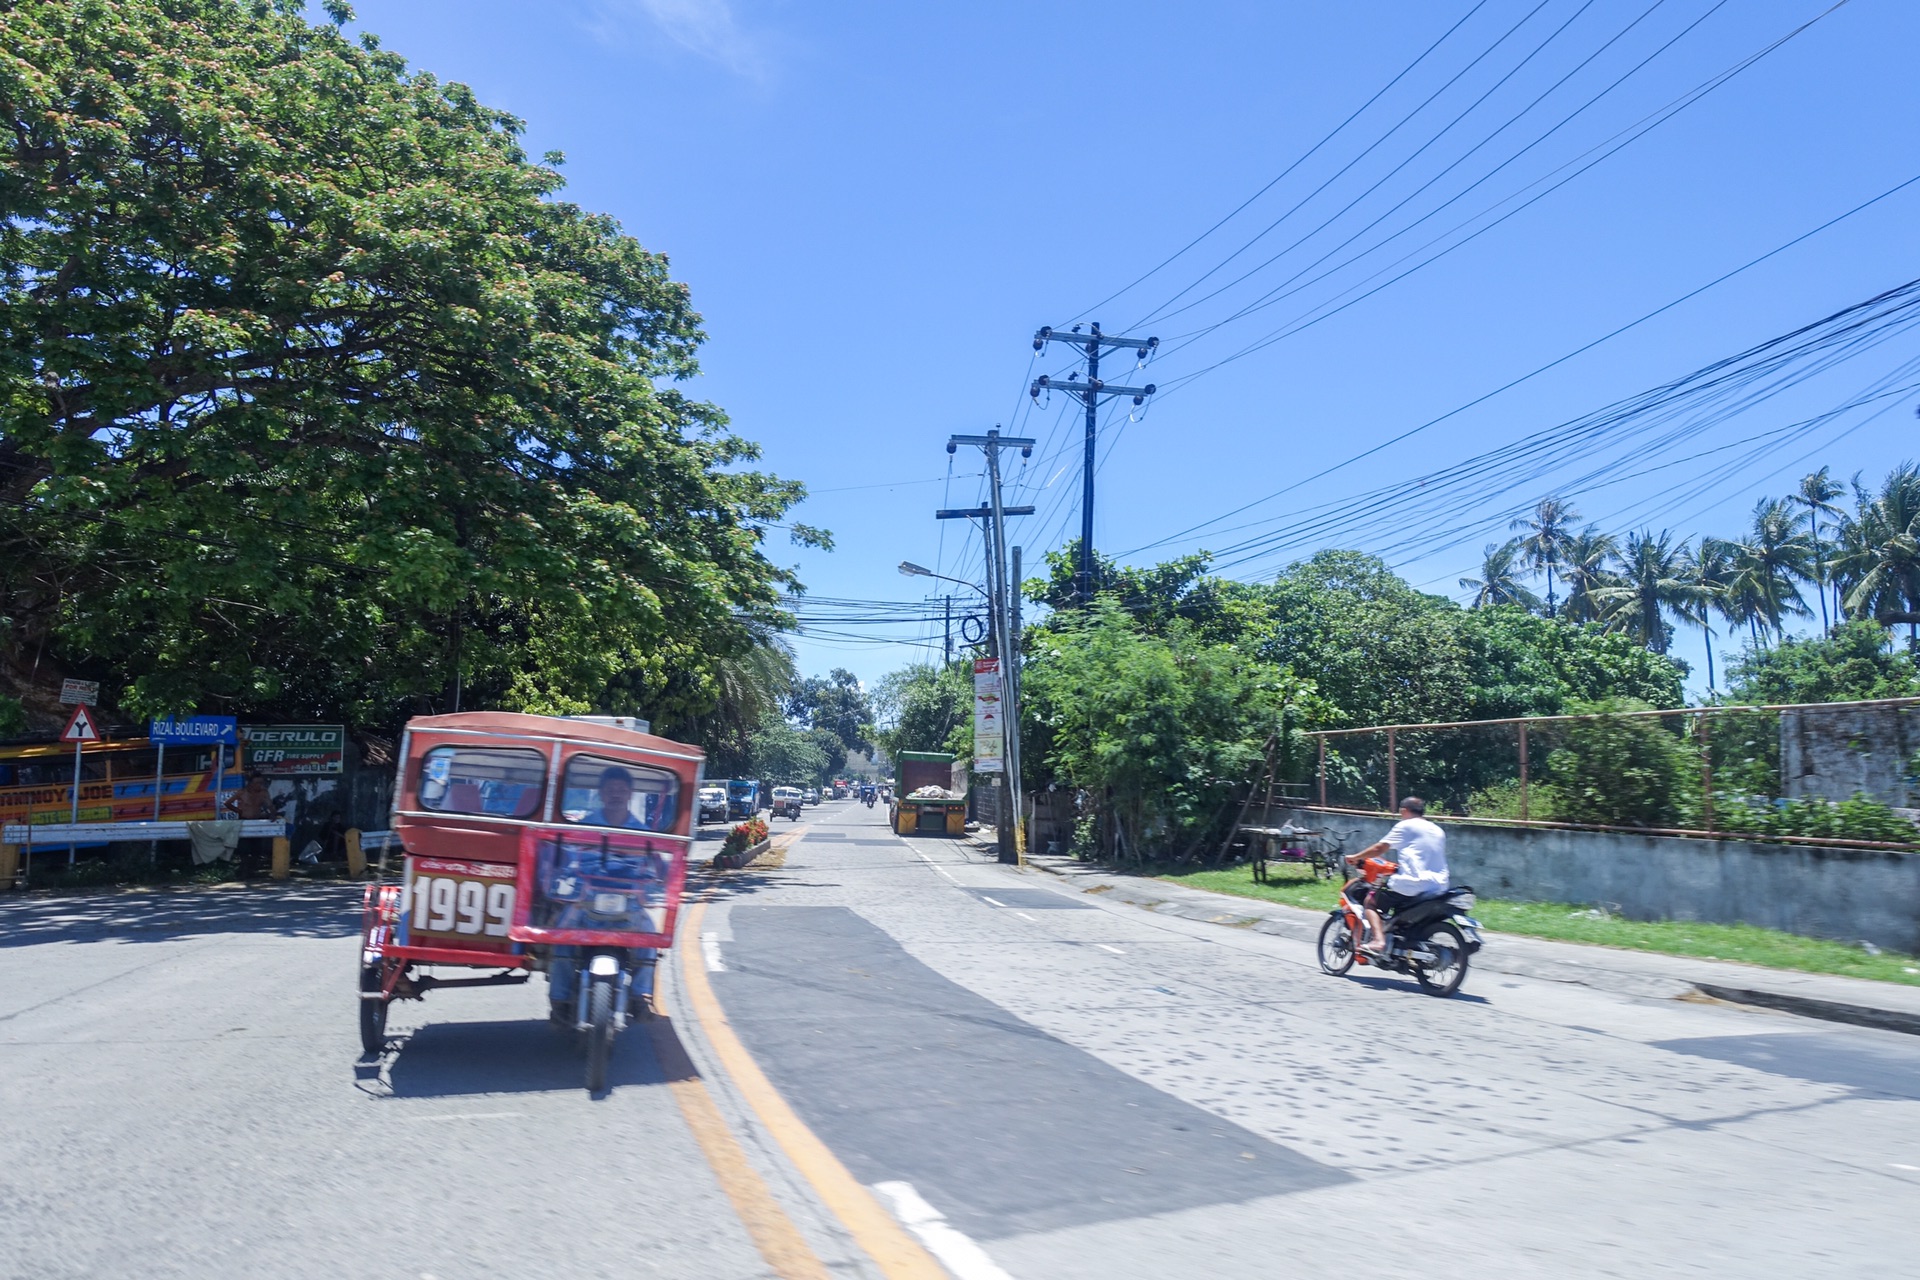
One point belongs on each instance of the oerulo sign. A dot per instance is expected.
(288, 750)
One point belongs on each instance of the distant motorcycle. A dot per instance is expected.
(1430, 939)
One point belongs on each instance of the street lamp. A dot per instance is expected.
(912, 570)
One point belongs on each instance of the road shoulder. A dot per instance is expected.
(1632, 973)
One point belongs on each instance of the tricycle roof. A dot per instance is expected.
(518, 724)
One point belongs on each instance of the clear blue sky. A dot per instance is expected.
(875, 205)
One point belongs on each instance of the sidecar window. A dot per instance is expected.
(499, 782)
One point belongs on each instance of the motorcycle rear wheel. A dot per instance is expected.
(1450, 950)
(1336, 945)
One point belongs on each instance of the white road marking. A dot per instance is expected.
(936, 866)
(710, 948)
(955, 1252)
(995, 901)
(1104, 947)
(466, 1115)
(1024, 916)
(1910, 1168)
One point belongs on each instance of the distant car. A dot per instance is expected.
(713, 804)
(810, 796)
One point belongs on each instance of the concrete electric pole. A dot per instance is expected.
(1000, 616)
(1091, 392)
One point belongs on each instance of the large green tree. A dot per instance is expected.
(834, 704)
(314, 398)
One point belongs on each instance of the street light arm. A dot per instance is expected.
(915, 571)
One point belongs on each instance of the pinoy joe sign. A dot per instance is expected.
(294, 749)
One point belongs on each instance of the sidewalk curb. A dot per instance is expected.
(1302, 925)
(1807, 1007)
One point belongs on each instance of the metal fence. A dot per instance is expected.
(1840, 773)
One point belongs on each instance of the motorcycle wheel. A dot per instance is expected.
(1336, 945)
(599, 1034)
(373, 1013)
(1450, 951)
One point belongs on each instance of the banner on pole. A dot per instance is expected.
(85, 693)
(987, 735)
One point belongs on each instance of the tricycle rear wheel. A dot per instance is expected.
(373, 1012)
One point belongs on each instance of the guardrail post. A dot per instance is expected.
(1706, 771)
(1525, 815)
(282, 858)
(1393, 777)
(356, 856)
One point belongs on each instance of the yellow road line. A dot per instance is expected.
(779, 1242)
(898, 1255)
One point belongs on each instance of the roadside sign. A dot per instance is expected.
(294, 750)
(85, 693)
(987, 735)
(80, 728)
(195, 730)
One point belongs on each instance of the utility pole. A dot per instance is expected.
(997, 610)
(1091, 392)
(947, 632)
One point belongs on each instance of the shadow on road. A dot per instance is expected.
(163, 915)
(452, 1059)
(1407, 986)
(1863, 1063)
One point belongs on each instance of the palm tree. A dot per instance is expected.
(1883, 553)
(1545, 544)
(1771, 564)
(1499, 580)
(1710, 571)
(1654, 582)
(1816, 494)
(1584, 562)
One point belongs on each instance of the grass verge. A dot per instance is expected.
(1294, 887)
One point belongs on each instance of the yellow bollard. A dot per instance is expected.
(9, 865)
(282, 858)
(356, 857)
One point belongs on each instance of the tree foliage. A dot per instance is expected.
(315, 400)
(925, 707)
(837, 705)
(1852, 663)
(1166, 728)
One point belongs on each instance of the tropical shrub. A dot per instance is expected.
(1622, 770)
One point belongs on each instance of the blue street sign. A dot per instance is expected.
(196, 730)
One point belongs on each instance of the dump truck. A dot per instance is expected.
(940, 811)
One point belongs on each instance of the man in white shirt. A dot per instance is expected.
(1419, 850)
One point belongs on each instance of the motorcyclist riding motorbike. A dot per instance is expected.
(1419, 850)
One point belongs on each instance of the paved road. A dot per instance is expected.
(1077, 1088)
(1088, 1090)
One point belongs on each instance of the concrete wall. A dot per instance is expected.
(1836, 751)
(1848, 895)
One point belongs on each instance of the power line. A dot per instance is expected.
(1282, 175)
(1536, 372)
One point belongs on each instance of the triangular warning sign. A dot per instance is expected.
(80, 727)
